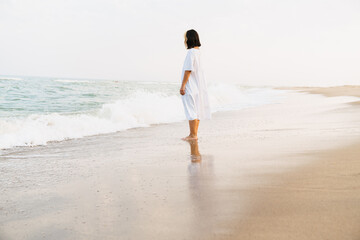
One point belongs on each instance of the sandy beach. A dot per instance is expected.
(346, 90)
(288, 170)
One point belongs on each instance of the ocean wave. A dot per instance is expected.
(71, 81)
(11, 78)
(157, 83)
(141, 109)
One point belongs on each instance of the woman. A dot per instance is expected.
(193, 88)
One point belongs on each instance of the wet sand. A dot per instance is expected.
(281, 171)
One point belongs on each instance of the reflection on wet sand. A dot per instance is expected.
(195, 155)
(201, 190)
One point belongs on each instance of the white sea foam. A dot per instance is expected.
(11, 78)
(141, 109)
(153, 82)
(71, 81)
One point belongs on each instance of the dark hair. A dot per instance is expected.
(192, 39)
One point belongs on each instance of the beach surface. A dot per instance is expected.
(346, 90)
(289, 170)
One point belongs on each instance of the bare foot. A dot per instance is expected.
(190, 138)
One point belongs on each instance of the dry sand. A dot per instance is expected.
(320, 201)
(346, 90)
(281, 171)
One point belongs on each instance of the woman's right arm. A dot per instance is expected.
(185, 80)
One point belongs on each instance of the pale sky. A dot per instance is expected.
(250, 42)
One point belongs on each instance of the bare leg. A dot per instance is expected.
(197, 126)
(193, 130)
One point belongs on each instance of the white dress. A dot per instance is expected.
(195, 100)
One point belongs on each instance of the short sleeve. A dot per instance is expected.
(189, 61)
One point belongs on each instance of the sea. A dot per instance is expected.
(38, 110)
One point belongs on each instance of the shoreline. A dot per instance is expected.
(143, 108)
(143, 183)
(315, 201)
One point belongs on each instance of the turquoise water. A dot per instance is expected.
(22, 96)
